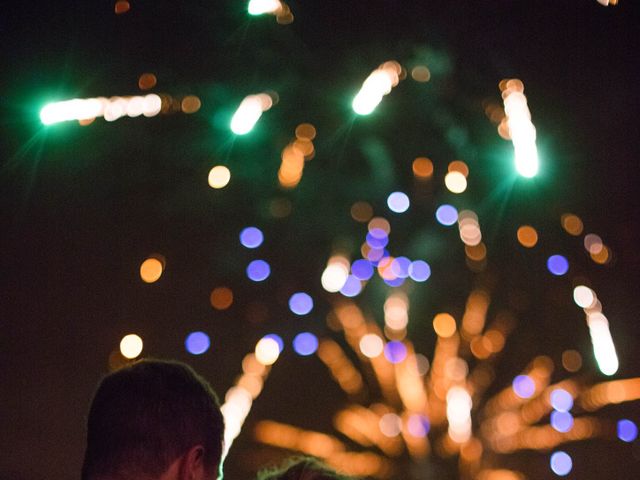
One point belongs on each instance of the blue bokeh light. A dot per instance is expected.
(251, 237)
(418, 425)
(394, 282)
(523, 386)
(377, 241)
(627, 430)
(558, 265)
(305, 343)
(352, 287)
(561, 400)
(197, 343)
(446, 215)
(419, 271)
(301, 303)
(277, 338)
(400, 267)
(378, 232)
(395, 351)
(398, 202)
(561, 463)
(362, 269)
(561, 421)
(258, 270)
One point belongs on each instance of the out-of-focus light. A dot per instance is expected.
(561, 463)
(219, 177)
(371, 345)
(278, 339)
(190, 104)
(571, 360)
(583, 296)
(469, 228)
(606, 3)
(395, 351)
(151, 270)
(527, 236)
(131, 346)
(390, 425)
(197, 343)
(352, 286)
(249, 112)
(147, 81)
(418, 425)
(455, 182)
(305, 343)
(521, 130)
(396, 315)
(300, 303)
(251, 237)
(446, 215)
(627, 430)
(572, 224)
(221, 298)
(561, 421)
(561, 400)
(420, 73)
(459, 405)
(334, 276)
(258, 270)
(267, 351)
(593, 243)
(557, 265)
(361, 212)
(400, 267)
(362, 269)
(377, 238)
(524, 386)
(260, 7)
(422, 168)
(398, 202)
(603, 348)
(305, 131)
(444, 325)
(376, 86)
(419, 271)
(379, 223)
(459, 166)
(122, 6)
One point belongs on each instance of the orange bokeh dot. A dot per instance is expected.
(444, 325)
(527, 236)
(422, 168)
(305, 131)
(572, 224)
(221, 298)
(147, 80)
(151, 269)
(459, 166)
(361, 212)
(122, 6)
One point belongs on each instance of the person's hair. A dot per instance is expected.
(301, 468)
(146, 415)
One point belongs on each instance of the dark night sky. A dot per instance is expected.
(83, 206)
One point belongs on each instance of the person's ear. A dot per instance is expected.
(193, 466)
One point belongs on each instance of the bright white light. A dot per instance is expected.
(267, 351)
(603, 348)
(247, 114)
(334, 277)
(376, 86)
(111, 109)
(260, 7)
(522, 132)
(371, 345)
(459, 414)
(584, 296)
(131, 346)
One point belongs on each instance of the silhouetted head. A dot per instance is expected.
(153, 420)
(301, 468)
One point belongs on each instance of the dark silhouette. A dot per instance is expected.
(154, 420)
(301, 468)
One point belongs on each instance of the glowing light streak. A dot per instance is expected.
(109, 108)
(612, 392)
(521, 130)
(603, 348)
(249, 112)
(376, 86)
(340, 367)
(260, 7)
(459, 414)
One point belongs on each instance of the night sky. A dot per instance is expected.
(83, 206)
